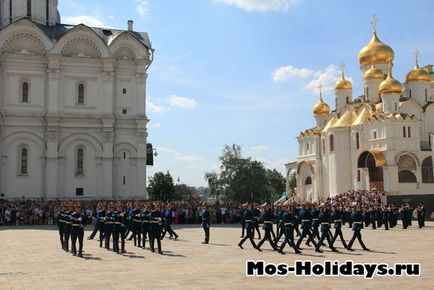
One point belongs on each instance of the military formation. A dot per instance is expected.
(317, 224)
(114, 221)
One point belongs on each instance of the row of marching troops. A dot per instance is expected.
(147, 220)
(316, 223)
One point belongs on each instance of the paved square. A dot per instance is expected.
(31, 258)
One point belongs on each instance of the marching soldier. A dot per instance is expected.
(68, 225)
(109, 224)
(102, 224)
(205, 222)
(61, 224)
(357, 220)
(324, 219)
(96, 228)
(256, 220)
(421, 211)
(137, 225)
(267, 219)
(146, 224)
(155, 218)
(336, 216)
(305, 217)
(168, 219)
(288, 219)
(248, 217)
(119, 229)
(78, 220)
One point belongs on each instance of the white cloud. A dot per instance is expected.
(155, 125)
(92, 21)
(261, 5)
(185, 103)
(142, 7)
(151, 107)
(261, 148)
(289, 72)
(328, 78)
(179, 156)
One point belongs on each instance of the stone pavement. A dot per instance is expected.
(31, 258)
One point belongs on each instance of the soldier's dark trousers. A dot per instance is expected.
(116, 235)
(137, 234)
(338, 233)
(325, 235)
(68, 229)
(243, 228)
(256, 228)
(289, 239)
(306, 233)
(155, 235)
(249, 235)
(358, 235)
(62, 235)
(145, 233)
(267, 237)
(95, 230)
(108, 233)
(206, 230)
(101, 234)
(168, 229)
(77, 234)
(280, 233)
(421, 222)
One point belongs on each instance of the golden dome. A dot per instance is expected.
(417, 74)
(343, 84)
(375, 51)
(390, 86)
(321, 108)
(373, 73)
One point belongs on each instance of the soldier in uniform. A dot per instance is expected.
(61, 224)
(68, 224)
(205, 222)
(78, 219)
(146, 224)
(256, 219)
(336, 217)
(102, 225)
(168, 219)
(357, 221)
(109, 224)
(421, 212)
(267, 219)
(119, 228)
(97, 222)
(156, 220)
(324, 219)
(305, 218)
(315, 222)
(243, 222)
(288, 219)
(248, 217)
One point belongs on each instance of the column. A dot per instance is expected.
(52, 169)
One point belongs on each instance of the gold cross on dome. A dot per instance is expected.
(320, 89)
(374, 23)
(416, 56)
(342, 68)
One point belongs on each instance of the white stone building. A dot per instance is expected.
(381, 140)
(72, 106)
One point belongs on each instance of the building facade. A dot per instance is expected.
(72, 106)
(380, 140)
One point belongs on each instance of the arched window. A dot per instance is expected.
(29, 8)
(25, 92)
(332, 143)
(427, 171)
(124, 91)
(357, 140)
(80, 94)
(409, 92)
(308, 181)
(80, 162)
(406, 176)
(24, 161)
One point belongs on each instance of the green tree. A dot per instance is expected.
(276, 184)
(161, 187)
(293, 182)
(184, 192)
(240, 179)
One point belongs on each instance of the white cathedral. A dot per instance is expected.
(72, 106)
(381, 140)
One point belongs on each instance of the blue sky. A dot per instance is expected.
(246, 71)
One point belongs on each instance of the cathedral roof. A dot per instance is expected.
(375, 52)
(362, 117)
(345, 120)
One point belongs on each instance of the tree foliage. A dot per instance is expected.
(243, 179)
(161, 187)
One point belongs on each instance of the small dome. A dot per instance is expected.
(373, 73)
(321, 108)
(390, 86)
(417, 74)
(343, 84)
(375, 52)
